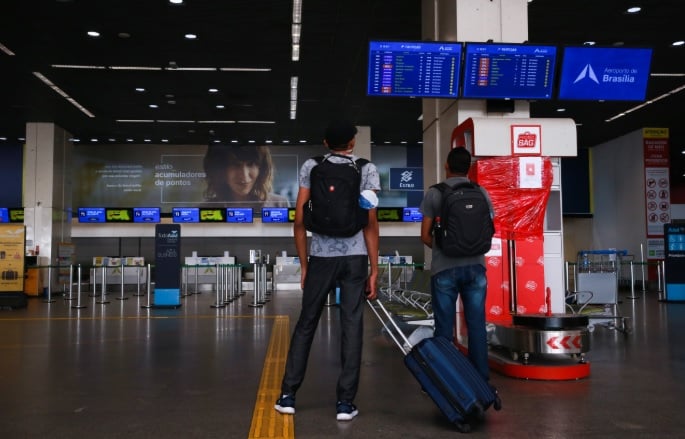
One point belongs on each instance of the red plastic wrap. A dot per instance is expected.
(519, 211)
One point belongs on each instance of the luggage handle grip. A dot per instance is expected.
(395, 332)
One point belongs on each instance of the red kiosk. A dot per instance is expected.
(517, 161)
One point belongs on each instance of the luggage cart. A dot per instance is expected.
(596, 283)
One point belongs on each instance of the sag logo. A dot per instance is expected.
(587, 72)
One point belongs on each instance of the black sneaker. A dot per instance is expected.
(346, 411)
(285, 405)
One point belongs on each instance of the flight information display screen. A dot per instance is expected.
(4, 215)
(275, 215)
(146, 214)
(508, 71)
(411, 215)
(91, 214)
(414, 69)
(238, 215)
(185, 214)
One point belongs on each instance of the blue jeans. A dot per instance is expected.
(471, 283)
(350, 272)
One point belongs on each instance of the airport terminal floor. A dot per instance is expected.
(121, 370)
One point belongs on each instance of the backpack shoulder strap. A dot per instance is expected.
(319, 159)
(442, 187)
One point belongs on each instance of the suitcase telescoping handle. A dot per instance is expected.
(390, 326)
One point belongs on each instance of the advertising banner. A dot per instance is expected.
(12, 258)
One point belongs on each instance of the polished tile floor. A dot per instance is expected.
(121, 370)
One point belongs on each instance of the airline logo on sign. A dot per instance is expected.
(526, 140)
(588, 73)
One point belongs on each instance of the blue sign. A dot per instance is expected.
(238, 215)
(91, 214)
(406, 179)
(275, 215)
(603, 73)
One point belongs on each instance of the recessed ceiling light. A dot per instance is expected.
(561, 110)
(190, 36)
(154, 106)
(634, 10)
(176, 2)
(93, 33)
(140, 89)
(124, 35)
(213, 90)
(589, 43)
(220, 107)
(678, 43)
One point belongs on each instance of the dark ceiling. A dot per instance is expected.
(257, 34)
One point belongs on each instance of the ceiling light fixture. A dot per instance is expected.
(176, 2)
(213, 90)
(190, 36)
(6, 50)
(678, 43)
(62, 93)
(644, 104)
(633, 10)
(93, 33)
(135, 68)
(191, 69)
(77, 66)
(245, 69)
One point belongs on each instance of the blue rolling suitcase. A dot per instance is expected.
(445, 374)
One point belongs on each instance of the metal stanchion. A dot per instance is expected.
(642, 267)
(196, 291)
(632, 283)
(49, 299)
(659, 275)
(255, 258)
(218, 303)
(184, 279)
(138, 293)
(122, 284)
(104, 287)
(71, 286)
(149, 292)
(78, 298)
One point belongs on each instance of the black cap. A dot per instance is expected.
(339, 133)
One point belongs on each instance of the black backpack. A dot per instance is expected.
(333, 207)
(466, 227)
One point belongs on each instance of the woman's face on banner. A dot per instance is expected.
(241, 177)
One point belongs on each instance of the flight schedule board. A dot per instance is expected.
(414, 69)
(508, 71)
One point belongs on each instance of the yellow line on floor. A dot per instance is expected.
(267, 422)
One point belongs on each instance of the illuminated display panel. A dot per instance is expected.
(238, 215)
(118, 215)
(146, 214)
(508, 71)
(275, 215)
(411, 215)
(212, 215)
(604, 73)
(185, 214)
(414, 69)
(4, 215)
(389, 214)
(91, 214)
(16, 215)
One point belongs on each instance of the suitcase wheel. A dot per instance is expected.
(463, 427)
(498, 403)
